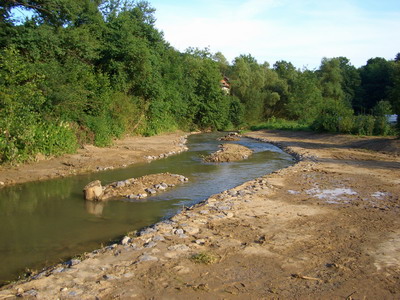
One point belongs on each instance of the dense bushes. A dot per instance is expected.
(76, 74)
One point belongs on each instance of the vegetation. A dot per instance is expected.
(90, 71)
(204, 258)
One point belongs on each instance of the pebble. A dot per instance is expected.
(126, 240)
(146, 257)
(179, 247)
(147, 231)
(158, 238)
(151, 191)
(200, 241)
(72, 262)
(178, 231)
(150, 244)
(191, 230)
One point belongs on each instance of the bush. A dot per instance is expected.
(281, 124)
(364, 125)
(335, 116)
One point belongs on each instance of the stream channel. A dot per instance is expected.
(44, 223)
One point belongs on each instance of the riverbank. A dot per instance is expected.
(124, 152)
(326, 227)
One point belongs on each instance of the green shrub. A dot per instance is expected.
(281, 124)
(364, 125)
(335, 116)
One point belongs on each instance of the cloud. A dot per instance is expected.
(281, 30)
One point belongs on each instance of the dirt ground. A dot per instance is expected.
(325, 228)
(123, 153)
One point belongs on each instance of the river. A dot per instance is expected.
(43, 223)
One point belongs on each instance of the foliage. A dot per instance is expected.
(282, 124)
(91, 71)
(335, 116)
(204, 258)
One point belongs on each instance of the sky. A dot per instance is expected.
(299, 31)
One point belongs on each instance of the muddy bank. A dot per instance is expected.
(123, 153)
(325, 228)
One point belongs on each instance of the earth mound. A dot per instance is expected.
(228, 153)
(232, 136)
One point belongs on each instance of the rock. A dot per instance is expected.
(150, 245)
(126, 240)
(179, 247)
(158, 238)
(200, 241)
(72, 262)
(146, 257)
(93, 191)
(178, 231)
(119, 184)
(160, 187)
(151, 191)
(2, 183)
(191, 230)
(147, 231)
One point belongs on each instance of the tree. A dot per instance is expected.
(331, 79)
(375, 82)
(350, 79)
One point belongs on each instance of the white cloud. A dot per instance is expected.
(274, 30)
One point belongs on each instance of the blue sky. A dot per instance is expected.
(299, 31)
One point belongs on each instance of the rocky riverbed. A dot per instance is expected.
(325, 228)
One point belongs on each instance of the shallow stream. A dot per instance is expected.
(43, 223)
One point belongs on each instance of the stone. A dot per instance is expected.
(72, 262)
(146, 257)
(151, 191)
(2, 183)
(93, 191)
(158, 238)
(191, 230)
(178, 231)
(179, 247)
(126, 240)
(150, 245)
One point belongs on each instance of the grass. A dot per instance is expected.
(204, 258)
(282, 124)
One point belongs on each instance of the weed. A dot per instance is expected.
(204, 258)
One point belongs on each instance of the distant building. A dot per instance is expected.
(225, 86)
(392, 119)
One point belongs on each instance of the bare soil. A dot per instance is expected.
(123, 153)
(325, 228)
(229, 153)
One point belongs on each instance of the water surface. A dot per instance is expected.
(42, 223)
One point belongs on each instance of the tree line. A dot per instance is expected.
(90, 71)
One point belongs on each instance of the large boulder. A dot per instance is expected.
(93, 191)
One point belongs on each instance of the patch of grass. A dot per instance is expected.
(282, 124)
(204, 258)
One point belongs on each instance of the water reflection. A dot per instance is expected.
(94, 208)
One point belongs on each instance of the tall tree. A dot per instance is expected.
(331, 79)
(375, 81)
